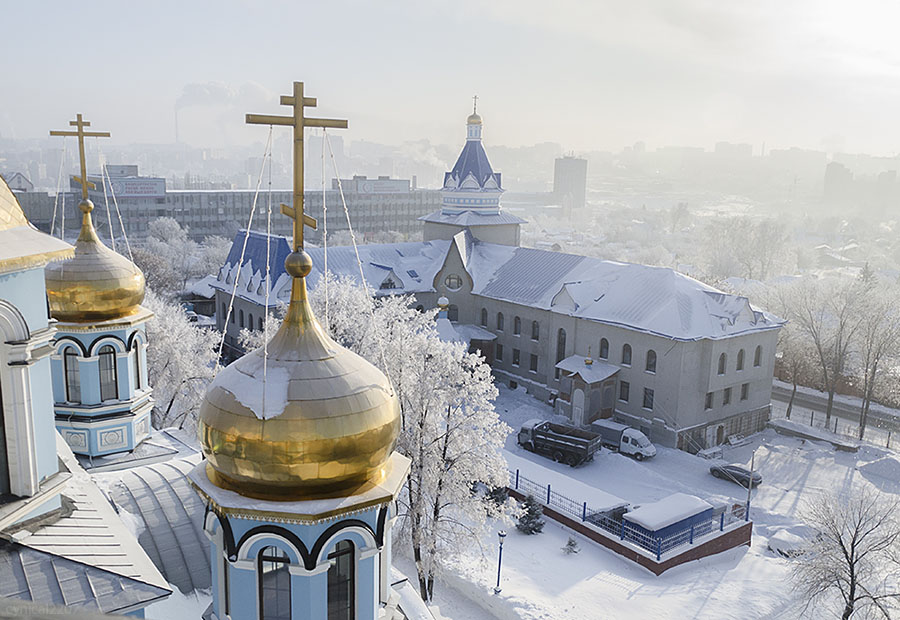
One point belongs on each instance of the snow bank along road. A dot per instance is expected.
(541, 582)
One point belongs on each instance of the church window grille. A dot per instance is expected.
(740, 360)
(517, 326)
(535, 330)
(626, 355)
(604, 348)
(109, 390)
(499, 321)
(274, 584)
(341, 586)
(73, 383)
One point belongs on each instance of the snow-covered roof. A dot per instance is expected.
(203, 287)
(461, 332)
(472, 218)
(410, 267)
(656, 300)
(657, 515)
(168, 518)
(594, 372)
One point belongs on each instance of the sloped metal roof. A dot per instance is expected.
(530, 275)
(170, 520)
(41, 577)
(472, 218)
(472, 160)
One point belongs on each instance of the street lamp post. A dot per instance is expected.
(749, 486)
(501, 535)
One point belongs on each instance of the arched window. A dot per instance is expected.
(341, 589)
(224, 311)
(651, 361)
(604, 348)
(757, 356)
(560, 348)
(109, 390)
(260, 324)
(499, 321)
(740, 360)
(242, 319)
(535, 330)
(273, 570)
(137, 365)
(723, 359)
(626, 355)
(517, 326)
(73, 383)
(484, 317)
(453, 312)
(250, 322)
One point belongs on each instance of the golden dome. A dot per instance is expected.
(312, 419)
(474, 119)
(97, 284)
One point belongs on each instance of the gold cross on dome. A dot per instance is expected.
(299, 122)
(81, 134)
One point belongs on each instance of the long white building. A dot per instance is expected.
(687, 364)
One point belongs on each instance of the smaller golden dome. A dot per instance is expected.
(474, 119)
(97, 284)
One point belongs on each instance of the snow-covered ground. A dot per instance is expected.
(541, 582)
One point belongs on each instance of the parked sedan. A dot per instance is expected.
(736, 473)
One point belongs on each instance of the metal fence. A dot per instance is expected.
(613, 524)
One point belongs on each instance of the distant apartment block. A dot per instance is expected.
(375, 205)
(570, 181)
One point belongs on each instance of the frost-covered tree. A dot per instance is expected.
(877, 340)
(853, 563)
(180, 362)
(449, 427)
(828, 314)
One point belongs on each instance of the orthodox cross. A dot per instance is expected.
(474, 104)
(81, 134)
(299, 122)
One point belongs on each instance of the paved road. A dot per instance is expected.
(841, 410)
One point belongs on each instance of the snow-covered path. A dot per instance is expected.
(541, 582)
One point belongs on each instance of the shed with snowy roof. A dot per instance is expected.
(670, 515)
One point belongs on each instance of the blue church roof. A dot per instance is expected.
(255, 254)
(473, 160)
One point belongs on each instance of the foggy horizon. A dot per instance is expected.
(601, 77)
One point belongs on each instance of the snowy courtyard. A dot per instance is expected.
(540, 581)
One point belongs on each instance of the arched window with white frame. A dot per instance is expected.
(73, 379)
(341, 583)
(137, 364)
(109, 388)
(274, 582)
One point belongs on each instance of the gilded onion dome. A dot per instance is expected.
(474, 119)
(306, 418)
(97, 284)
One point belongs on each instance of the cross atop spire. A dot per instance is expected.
(474, 104)
(299, 122)
(81, 134)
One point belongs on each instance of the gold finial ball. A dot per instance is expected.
(443, 302)
(298, 264)
(86, 206)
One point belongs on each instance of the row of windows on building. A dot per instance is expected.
(274, 583)
(516, 358)
(240, 314)
(625, 395)
(517, 322)
(739, 365)
(726, 396)
(109, 374)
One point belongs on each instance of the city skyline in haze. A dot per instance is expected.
(589, 76)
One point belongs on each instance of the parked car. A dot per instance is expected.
(737, 474)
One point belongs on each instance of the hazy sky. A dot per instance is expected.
(594, 74)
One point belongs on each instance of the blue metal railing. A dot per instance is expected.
(620, 528)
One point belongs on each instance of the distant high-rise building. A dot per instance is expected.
(570, 181)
